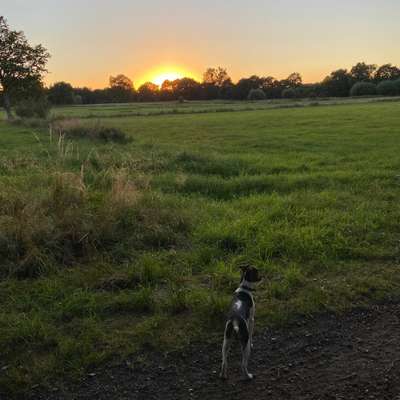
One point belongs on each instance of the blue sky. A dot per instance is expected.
(92, 39)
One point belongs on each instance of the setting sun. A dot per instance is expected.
(170, 76)
(171, 73)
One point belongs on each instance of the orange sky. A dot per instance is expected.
(92, 39)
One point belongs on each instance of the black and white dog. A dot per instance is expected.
(240, 321)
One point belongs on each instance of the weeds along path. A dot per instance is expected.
(356, 356)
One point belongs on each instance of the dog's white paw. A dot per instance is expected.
(249, 377)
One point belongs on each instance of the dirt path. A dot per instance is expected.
(352, 357)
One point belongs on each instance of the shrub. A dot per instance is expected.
(33, 108)
(397, 84)
(388, 88)
(78, 100)
(363, 89)
(74, 128)
(289, 93)
(256, 94)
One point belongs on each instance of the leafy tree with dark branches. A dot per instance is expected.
(20, 63)
(122, 82)
(217, 77)
(338, 83)
(387, 72)
(149, 91)
(121, 89)
(362, 72)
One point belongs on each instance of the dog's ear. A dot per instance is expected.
(244, 266)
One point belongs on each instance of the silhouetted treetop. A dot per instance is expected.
(20, 63)
(293, 80)
(338, 83)
(121, 81)
(363, 72)
(216, 76)
(387, 72)
(61, 93)
(149, 91)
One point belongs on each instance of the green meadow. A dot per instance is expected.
(200, 107)
(109, 248)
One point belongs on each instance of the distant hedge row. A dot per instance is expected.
(384, 88)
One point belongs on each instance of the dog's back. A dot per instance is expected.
(238, 317)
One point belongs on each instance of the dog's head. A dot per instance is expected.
(250, 274)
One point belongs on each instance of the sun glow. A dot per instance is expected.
(160, 75)
(167, 76)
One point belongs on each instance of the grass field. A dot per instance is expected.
(201, 107)
(108, 248)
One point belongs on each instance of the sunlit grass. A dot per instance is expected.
(154, 228)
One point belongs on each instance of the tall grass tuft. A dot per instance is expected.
(76, 129)
(67, 222)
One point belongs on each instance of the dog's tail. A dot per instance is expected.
(236, 327)
(240, 329)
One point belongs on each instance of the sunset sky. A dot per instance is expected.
(92, 39)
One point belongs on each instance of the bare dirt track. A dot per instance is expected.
(355, 356)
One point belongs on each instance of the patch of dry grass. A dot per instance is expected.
(75, 129)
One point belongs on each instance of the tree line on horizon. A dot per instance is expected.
(361, 79)
(22, 68)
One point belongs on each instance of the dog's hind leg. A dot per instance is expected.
(251, 326)
(225, 350)
(246, 350)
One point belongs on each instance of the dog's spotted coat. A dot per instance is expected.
(240, 321)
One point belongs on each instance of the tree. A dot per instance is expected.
(256, 94)
(363, 72)
(387, 72)
(210, 91)
(85, 94)
(289, 93)
(310, 90)
(20, 63)
(167, 91)
(245, 85)
(388, 88)
(121, 89)
(148, 92)
(337, 84)
(363, 89)
(122, 82)
(271, 87)
(186, 88)
(217, 83)
(61, 93)
(217, 77)
(292, 81)
(227, 91)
